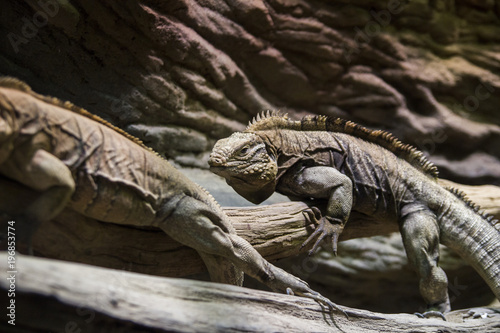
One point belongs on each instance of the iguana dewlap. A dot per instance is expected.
(77, 160)
(352, 168)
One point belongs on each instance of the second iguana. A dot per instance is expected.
(76, 160)
(352, 168)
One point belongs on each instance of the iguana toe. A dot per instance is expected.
(327, 226)
(482, 313)
(335, 239)
(323, 300)
(429, 314)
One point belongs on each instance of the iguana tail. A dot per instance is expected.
(475, 236)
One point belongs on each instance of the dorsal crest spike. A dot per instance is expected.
(267, 118)
(332, 124)
(10, 82)
(475, 207)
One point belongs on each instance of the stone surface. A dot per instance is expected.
(181, 74)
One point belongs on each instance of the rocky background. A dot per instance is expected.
(182, 74)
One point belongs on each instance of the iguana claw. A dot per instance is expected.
(327, 226)
(429, 314)
(320, 299)
(292, 285)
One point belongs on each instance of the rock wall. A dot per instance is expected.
(181, 74)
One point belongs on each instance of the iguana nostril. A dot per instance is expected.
(215, 160)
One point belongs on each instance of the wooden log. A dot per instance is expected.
(276, 231)
(369, 273)
(56, 296)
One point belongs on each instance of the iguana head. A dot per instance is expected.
(244, 161)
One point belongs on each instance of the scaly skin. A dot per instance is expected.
(77, 160)
(371, 172)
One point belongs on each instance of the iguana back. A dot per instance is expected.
(117, 178)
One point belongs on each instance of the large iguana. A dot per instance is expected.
(353, 168)
(77, 160)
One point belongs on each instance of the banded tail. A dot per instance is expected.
(475, 236)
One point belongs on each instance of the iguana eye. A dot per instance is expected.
(243, 150)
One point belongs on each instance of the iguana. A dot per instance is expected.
(77, 160)
(352, 168)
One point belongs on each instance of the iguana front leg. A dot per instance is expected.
(327, 226)
(324, 183)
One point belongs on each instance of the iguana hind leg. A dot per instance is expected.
(195, 224)
(420, 234)
(221, 269)
(45, 173)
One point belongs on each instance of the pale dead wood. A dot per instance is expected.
(486, 196)
(54, 296)
(276, 231)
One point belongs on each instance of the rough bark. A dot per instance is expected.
(276, 231)
(180, 74)
(369, 273)
(48, 300)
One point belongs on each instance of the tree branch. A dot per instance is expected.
(276, 231)
(110, 300)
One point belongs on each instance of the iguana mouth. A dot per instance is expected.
(223, 172)
(220, 166)
(218, 170)
(217, 164)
